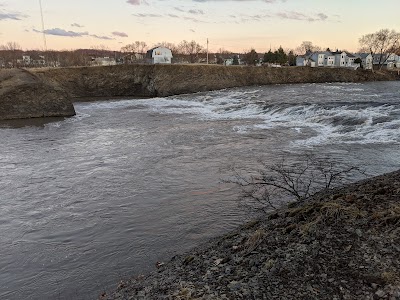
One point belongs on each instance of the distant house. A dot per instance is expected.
(327, 59)
(302, 60)
(366, 60)
(389, 61)
(103, 61)
(159, 55)
(230, 61)
(340, 58)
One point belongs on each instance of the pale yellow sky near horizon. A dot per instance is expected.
(235, 25)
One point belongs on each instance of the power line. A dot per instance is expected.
(44, 34)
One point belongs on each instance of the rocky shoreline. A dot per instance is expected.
(341, 244)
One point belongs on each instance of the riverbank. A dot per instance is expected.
(50, 92)
(168, 80)
(344, 244)
(25, 95)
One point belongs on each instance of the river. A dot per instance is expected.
(89, 200)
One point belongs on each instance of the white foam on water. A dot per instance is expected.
(341, 122)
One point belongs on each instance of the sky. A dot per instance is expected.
(235, 25)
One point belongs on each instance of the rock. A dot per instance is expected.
(380, 293)
(25, 95)
(234, 285)
(294, 266)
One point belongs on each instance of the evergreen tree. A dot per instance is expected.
(269, 57)
(280, 56)
(235, 60)
(291, 58)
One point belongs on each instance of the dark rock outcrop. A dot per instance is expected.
(25, 95)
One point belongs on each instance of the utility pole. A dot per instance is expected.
(207, 51)
(44, 34)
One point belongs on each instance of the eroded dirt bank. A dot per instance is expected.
(49, 92)
(167, 80)
(25, 95)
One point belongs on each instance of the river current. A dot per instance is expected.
(89, 200)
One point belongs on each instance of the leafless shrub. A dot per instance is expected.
(291, 180)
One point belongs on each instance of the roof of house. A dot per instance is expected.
(364, 55)
(152, 49)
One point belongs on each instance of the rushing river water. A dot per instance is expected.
(106, 194)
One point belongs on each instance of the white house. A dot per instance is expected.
(159, 55)
(302, 61)
(350, 60)
(388, 61)
(230, 61)
(329, 59)
(366, 60)
(340, 58)
(103, 61)
(319, 58)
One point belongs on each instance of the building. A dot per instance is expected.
(159, 55)
(366, 60)
(328, 59)
(389, 61)
(103, 61)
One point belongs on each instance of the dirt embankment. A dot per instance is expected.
(25, 95)
(167, 80)
(342, 244)
(49, 92)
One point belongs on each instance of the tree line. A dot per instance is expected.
(377, 44)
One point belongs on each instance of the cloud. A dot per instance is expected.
(101, 37)
(120, 34)
(77, 25)
(194, 20)
(137, 2)
(147, 15)
(11, 16)
(293, 15)
(322, 16)
(62, 32)
(72, 34)
(266, 1)
(196, 12)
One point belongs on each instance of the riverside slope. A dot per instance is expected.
(49, 92)
(25, 95)
(341, 244)
(167, 80)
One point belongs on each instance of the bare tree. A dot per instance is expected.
(307, 46)
(134, 51)
(275, 184)
(251, 57)
(11, 51)
(171, 46)
(382, 43)
(191, 49)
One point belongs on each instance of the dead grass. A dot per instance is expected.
(254, 241)
(390, 216)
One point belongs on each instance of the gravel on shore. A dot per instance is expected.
(342, 244)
